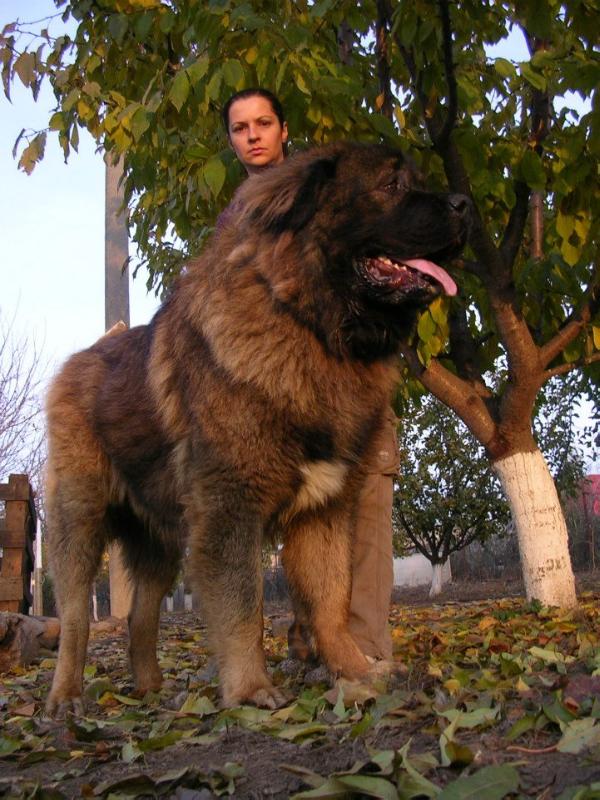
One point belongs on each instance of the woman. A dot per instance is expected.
(258, 134)
(256, 128)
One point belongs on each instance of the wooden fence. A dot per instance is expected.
(17, 532)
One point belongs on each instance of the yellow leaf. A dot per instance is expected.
(452, 685)
(596, 335)
(569, 253)
(486, 623)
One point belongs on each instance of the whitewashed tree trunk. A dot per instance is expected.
(94, 602)
(541, 529)
(436, 580)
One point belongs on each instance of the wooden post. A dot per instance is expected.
(16, 540)
(116, 309)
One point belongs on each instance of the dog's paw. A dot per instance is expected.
(59, 708)
(385, 669)
(267, 697)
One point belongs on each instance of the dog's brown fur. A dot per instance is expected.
(246, 406)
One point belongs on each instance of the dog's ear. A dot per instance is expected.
(286, 198)
(305, 201)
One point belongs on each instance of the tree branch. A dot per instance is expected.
(513, 234)
(381, 50)
(452, 110)
(464, 347)
(564, 369)
(457, 394)
(572, 328)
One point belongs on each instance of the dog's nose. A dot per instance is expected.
(461, 204)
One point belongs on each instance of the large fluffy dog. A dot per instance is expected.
(246, 406)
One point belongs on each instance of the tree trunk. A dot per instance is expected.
(436, 580)
(541, 528)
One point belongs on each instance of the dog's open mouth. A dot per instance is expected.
(409, 275)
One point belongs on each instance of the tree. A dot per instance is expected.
(21, 422)
(147, 78)
(446, 495)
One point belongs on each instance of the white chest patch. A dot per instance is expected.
(322, 480)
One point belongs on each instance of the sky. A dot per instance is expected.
(52, 228)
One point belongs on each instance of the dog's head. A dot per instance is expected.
(357, 220)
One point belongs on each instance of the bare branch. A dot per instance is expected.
(573, 326)
(381, 50)
(458, 394)
(564, 369)
(444, 134)
(21, 423)
(513, 234)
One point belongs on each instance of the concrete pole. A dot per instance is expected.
(38, 603)
(116, 307)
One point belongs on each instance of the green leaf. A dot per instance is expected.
(301, 84)
(532, 170)
(160, 742)
(579, 735)
(490, 783)
(505, 68)
(198, 70)
(233, 73)
(471, 719)
(198, 704)
(214, 174)
(591, 792)
(426, 327)
(532, 76)
(565, 225)
(383, 125)
(140, 122)
(352, 786)
(369, 786)
(9, 745)
(180, 89)
(117, 26)
(550, 656)
(321, 7)
(410, 781)
(523, 725)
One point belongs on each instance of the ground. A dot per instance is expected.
(497, 699)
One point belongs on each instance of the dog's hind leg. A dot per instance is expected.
(317, 561)
(76, 541)
(225, 543)
(153, 569)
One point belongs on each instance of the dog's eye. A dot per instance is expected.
(398, 184)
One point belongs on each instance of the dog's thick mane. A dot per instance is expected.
(295, 248)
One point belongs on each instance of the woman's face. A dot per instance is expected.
(255, 133)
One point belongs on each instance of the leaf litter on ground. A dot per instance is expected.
(499, 699)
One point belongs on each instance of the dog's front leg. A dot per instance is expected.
(225, 561)
(317, 561)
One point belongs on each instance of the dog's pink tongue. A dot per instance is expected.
(429, 268)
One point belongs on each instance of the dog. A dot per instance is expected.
(247, 407)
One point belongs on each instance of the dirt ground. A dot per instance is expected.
(496, 699)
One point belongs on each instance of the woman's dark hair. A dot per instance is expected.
(254, 92)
